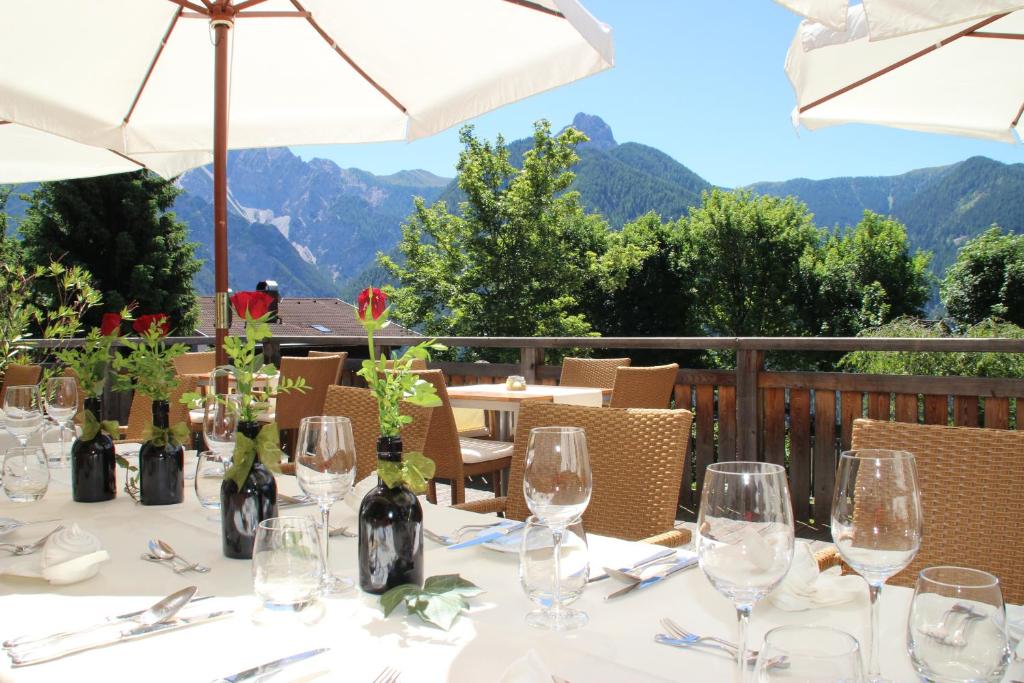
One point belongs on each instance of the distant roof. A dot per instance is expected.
(304, 317)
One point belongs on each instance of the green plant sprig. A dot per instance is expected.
(90, 360)
(149, 366)
(439, 602)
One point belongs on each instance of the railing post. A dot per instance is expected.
(529, 359)
(272, 352)
(749, 362)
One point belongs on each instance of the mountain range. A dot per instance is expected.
(316, 228)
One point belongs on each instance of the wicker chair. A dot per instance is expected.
(140, 414)
(459, 457)
(359, 406)
(196, 363)
(637, 457)
(19, 375)
(591, 372)
(343, 355)
(649, 387)
(970, 480)
(319, 374)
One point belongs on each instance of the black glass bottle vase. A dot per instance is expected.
(242, 509)
(390, 531)
(93, 466)
(161, 468)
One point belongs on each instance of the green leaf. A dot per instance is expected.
(396, 596)
(440, 610)
(390, 473)
(451, 583)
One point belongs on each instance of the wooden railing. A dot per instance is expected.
(802, 420)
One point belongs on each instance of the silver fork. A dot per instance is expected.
(684, 638)
(955, 638)
(456, 536)
(388, 675)
(28, 548)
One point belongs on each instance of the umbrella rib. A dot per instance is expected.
(995, 34)
(128, 158)
(248, 3)
(152, 63)
(192, 6)
(1016, 119)
(337, 48)
(536, 6)
(906, 60)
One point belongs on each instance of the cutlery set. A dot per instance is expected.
(161, 552)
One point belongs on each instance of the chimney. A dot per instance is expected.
(270, 287)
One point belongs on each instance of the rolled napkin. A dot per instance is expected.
(805, 587)
(69, 556)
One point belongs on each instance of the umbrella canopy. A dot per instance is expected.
(30, 155)
(890, 18)
(142, 76)
(965, 79)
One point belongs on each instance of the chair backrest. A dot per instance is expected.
(636, 456)
(591, 372)
(416, 365)
(649, 387)
(442, 443)
(319, 374)
(359, 406)
(140, 414)
(970, 482)
(19, 375)
(195, 363)
(343, 355)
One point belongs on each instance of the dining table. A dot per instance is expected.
(505, 402)
(487, 643)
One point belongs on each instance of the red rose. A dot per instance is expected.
(375, 299)
(111, 324)
(256, 304)
(144, 322)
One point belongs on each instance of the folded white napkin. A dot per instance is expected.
(69, 556)
(359, 491)
(806, 588)
(1015, 628)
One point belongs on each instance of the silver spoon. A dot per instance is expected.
(343, 531)
(166, 547)
(28, 548)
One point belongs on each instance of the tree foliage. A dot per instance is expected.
(519, 257)
(987, 279)
(118, 228)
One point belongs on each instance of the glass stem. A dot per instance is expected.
(61, 456)
(556, 587)
(325, 510)
(874, 592)
(743, 621)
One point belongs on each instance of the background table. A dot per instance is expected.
(506, 402)
(617, 645)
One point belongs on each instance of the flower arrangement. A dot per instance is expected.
(391, 385)
(148, 368)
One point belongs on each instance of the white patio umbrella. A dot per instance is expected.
(30, 155)
(142, 76)
(890, 18)
(965, 79)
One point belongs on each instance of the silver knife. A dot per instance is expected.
(82, 644)
(265, 670)
(284, 501)
(661, 554)
(683, 564)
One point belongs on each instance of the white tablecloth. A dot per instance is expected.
(577, 396)
(617, 645)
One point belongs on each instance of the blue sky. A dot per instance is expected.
(701, 80)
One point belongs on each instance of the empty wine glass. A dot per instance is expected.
(220, 423)
(210, 469)
(809, 654)
(557, 485)
(286, 567)
(23, 411)
(957, 626)
(61, 401)
(325, 467)
(745, 536)
(26, 474)
(537, 572)
(876, 522)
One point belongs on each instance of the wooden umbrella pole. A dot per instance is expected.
(221, 22)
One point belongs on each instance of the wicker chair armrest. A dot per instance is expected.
(830, 557)
(671, 539)
(288, 468)
(483, 506)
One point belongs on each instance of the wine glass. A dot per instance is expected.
(286, 568)
(325, 467)
(26, 474)
(957, 626)
(745, 536)
(557, 485)
(537, 572)
(61, 401)
(220, 423)
(23, 412)
(809, 654)
(876, 522)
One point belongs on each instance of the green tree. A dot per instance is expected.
(519, 257)
(118, 228)
(987, 279)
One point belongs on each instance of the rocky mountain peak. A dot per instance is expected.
(599, 132)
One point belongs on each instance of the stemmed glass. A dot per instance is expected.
(220, 423)
(61, 402)
(745, 536)
(23, 412)
(876, 522)
(325, 467)
(557, 485)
